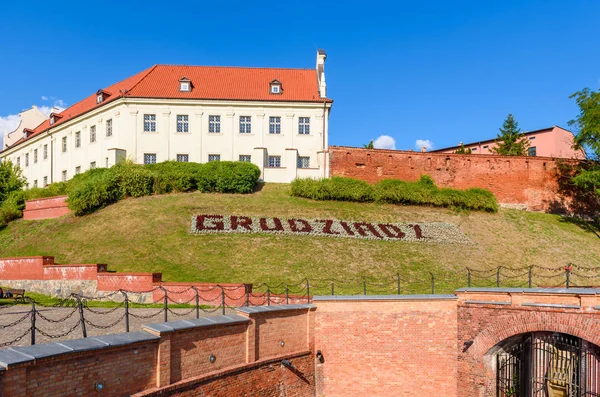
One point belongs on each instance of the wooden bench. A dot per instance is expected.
(10, 293)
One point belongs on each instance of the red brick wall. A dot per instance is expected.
(124, 371)
(46, 208)
(73, 272)
(483, 326)
(190, 350)
(25, 268)
(386, 348)
(514, 180)
(136, 282)
(268, 378)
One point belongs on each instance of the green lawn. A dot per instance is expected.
(151, 234)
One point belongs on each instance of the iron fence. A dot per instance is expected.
(192, 301)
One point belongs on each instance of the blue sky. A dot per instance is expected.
(443, 71)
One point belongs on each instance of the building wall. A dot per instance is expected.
(553, 142)
(30, 119)
(166, 143)
(529, 181)
(172, 359)
(400, 346)
(486, 317)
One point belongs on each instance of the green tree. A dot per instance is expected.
(587, 122)
(369, 145)
(11, 179)
(510, 140)
(463, 150)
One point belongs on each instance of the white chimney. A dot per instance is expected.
(321, 56)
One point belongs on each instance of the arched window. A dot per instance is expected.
(546, 364)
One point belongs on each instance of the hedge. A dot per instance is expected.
(394, 191)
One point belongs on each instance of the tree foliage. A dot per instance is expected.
(587, 122)
(369, 145)
(11, 179)
(463, 150)
(510, 140)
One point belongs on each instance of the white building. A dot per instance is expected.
(275, 118)
(30, 119)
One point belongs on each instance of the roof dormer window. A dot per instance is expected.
(54, 117)
(101, 96)
(185, 85)
(52, 120)
(275, 87)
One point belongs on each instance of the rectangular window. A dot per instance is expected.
(274, 161)
(78, 139)
(149, 158)
(303, 162)
(19, 162)
(532, 151)
(35, 155)
(93, 134)
(214, 157)
(304, 125)
(45, 181)
(149, 123)
(274, 125)
(45, 152)
(26, 159)
(245, 158)
(245, 124)
(35, 183)
(183, 158)
(64, 175)
(108, 128)
(474, 149)
(531, 138)
(77, 170)
(92, 165)
(183, 123)
(214, 124)
(64, 144)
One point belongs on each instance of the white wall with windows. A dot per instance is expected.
(284, 139)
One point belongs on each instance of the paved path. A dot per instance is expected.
(55, 324)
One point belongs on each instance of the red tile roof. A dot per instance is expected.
(208, 82)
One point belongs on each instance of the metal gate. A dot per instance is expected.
(543, 364)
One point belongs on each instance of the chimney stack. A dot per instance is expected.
(321, 56)
(423, 149)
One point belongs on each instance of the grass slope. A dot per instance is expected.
(151, 234)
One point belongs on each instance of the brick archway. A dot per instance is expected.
(476, 348)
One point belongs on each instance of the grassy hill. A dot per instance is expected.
(151, 234)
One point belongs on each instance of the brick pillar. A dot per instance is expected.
(251, 347)
(163, 372)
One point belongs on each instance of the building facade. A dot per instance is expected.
(30, 119)
(554, 142)
(274, 118)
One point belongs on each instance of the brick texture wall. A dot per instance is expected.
(46, 208)
(481, 326)
(387, 348)
(530, 181)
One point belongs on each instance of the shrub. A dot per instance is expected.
(12, 207)
(97, 190)
(227, 177)
(53, 189)
(335, 188)
(394, 191)
(11, 179)
(134, 180)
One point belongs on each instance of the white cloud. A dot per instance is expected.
(426, 143)
(44, 98)
(384, 142)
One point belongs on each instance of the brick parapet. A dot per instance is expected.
(46, 208)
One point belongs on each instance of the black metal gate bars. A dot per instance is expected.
(543, 364)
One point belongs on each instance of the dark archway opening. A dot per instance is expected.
(547, 364)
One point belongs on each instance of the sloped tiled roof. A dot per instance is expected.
(208, 82)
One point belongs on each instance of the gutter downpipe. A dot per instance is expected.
(324, 137)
